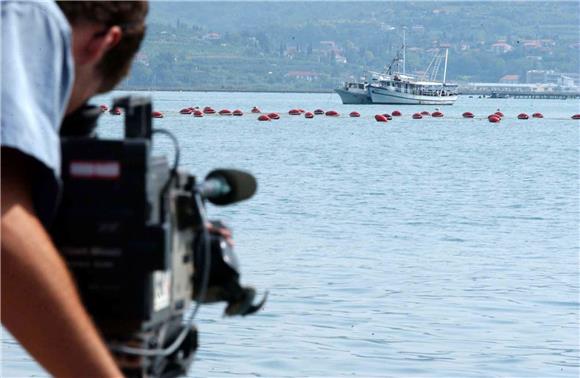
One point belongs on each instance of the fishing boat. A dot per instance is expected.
(395, 86)
(354, 93)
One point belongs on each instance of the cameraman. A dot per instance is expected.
(54, 58)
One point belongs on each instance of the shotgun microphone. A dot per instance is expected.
(225, 186)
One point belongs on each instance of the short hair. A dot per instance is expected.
(129, 16)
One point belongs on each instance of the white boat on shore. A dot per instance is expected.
(395, 87)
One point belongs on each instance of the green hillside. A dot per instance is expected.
(316, 45)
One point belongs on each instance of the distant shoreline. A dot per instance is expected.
(480, 93)
(134, 89)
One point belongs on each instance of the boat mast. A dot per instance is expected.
(404, 50)
(445, 68)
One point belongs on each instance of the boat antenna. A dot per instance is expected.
(445, 67)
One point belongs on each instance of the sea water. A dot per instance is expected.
(435, 247)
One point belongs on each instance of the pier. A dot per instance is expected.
(532, 91)
(519, 94)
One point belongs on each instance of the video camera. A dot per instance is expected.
(134, 233)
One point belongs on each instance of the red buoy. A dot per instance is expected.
(103, 108)
(225, 112)
(294, 112)
(499, 114)
(308, 115)
(494, 118)
(396, 113)
(208, 110)
(274, 116)
(417, 116)
(576, 116)
(437, 114)
(238, 113)
(115, 111)
(468, 115)
(538, 115)
(198, 113)
(157, 114)
(186, 111)
(523, 116)
(319, 111)
(256, 110)
(302, 110)
(263, 117)
(425, 113)
(354, 114)
(380, 118)
(332, 113)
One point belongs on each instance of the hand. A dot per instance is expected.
(219, 228)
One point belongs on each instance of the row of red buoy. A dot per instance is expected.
(497, 116)
(197, 112)
(117, 111)
(500, 115)
(294, 112)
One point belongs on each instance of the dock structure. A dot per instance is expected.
(545, 95)
(532, 91)
(531, 95)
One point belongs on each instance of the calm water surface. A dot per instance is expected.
(435, 247)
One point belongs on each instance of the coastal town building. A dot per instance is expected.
(510, 79)
(303, 75)
(552, 77)
(501, 47)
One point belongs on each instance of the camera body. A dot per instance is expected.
(134, 237)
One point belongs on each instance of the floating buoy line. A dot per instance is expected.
(199, 112)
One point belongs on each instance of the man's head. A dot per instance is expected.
(106, 36)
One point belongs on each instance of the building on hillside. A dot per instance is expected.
(501, 47)
(575, 77)
(330, 49)
(534, 58)
(510, 79)
(532, 45)
(303, 75)
(464, 46)
(568, 81)
(213, 36)
(551, 77)
(339, 58)
(535, 76)
(328, 45)
(291, 52)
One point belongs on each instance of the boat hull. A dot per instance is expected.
(353, 97)
(385, 96)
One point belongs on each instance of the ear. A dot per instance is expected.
(99, 43)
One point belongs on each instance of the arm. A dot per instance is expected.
(40, 304)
